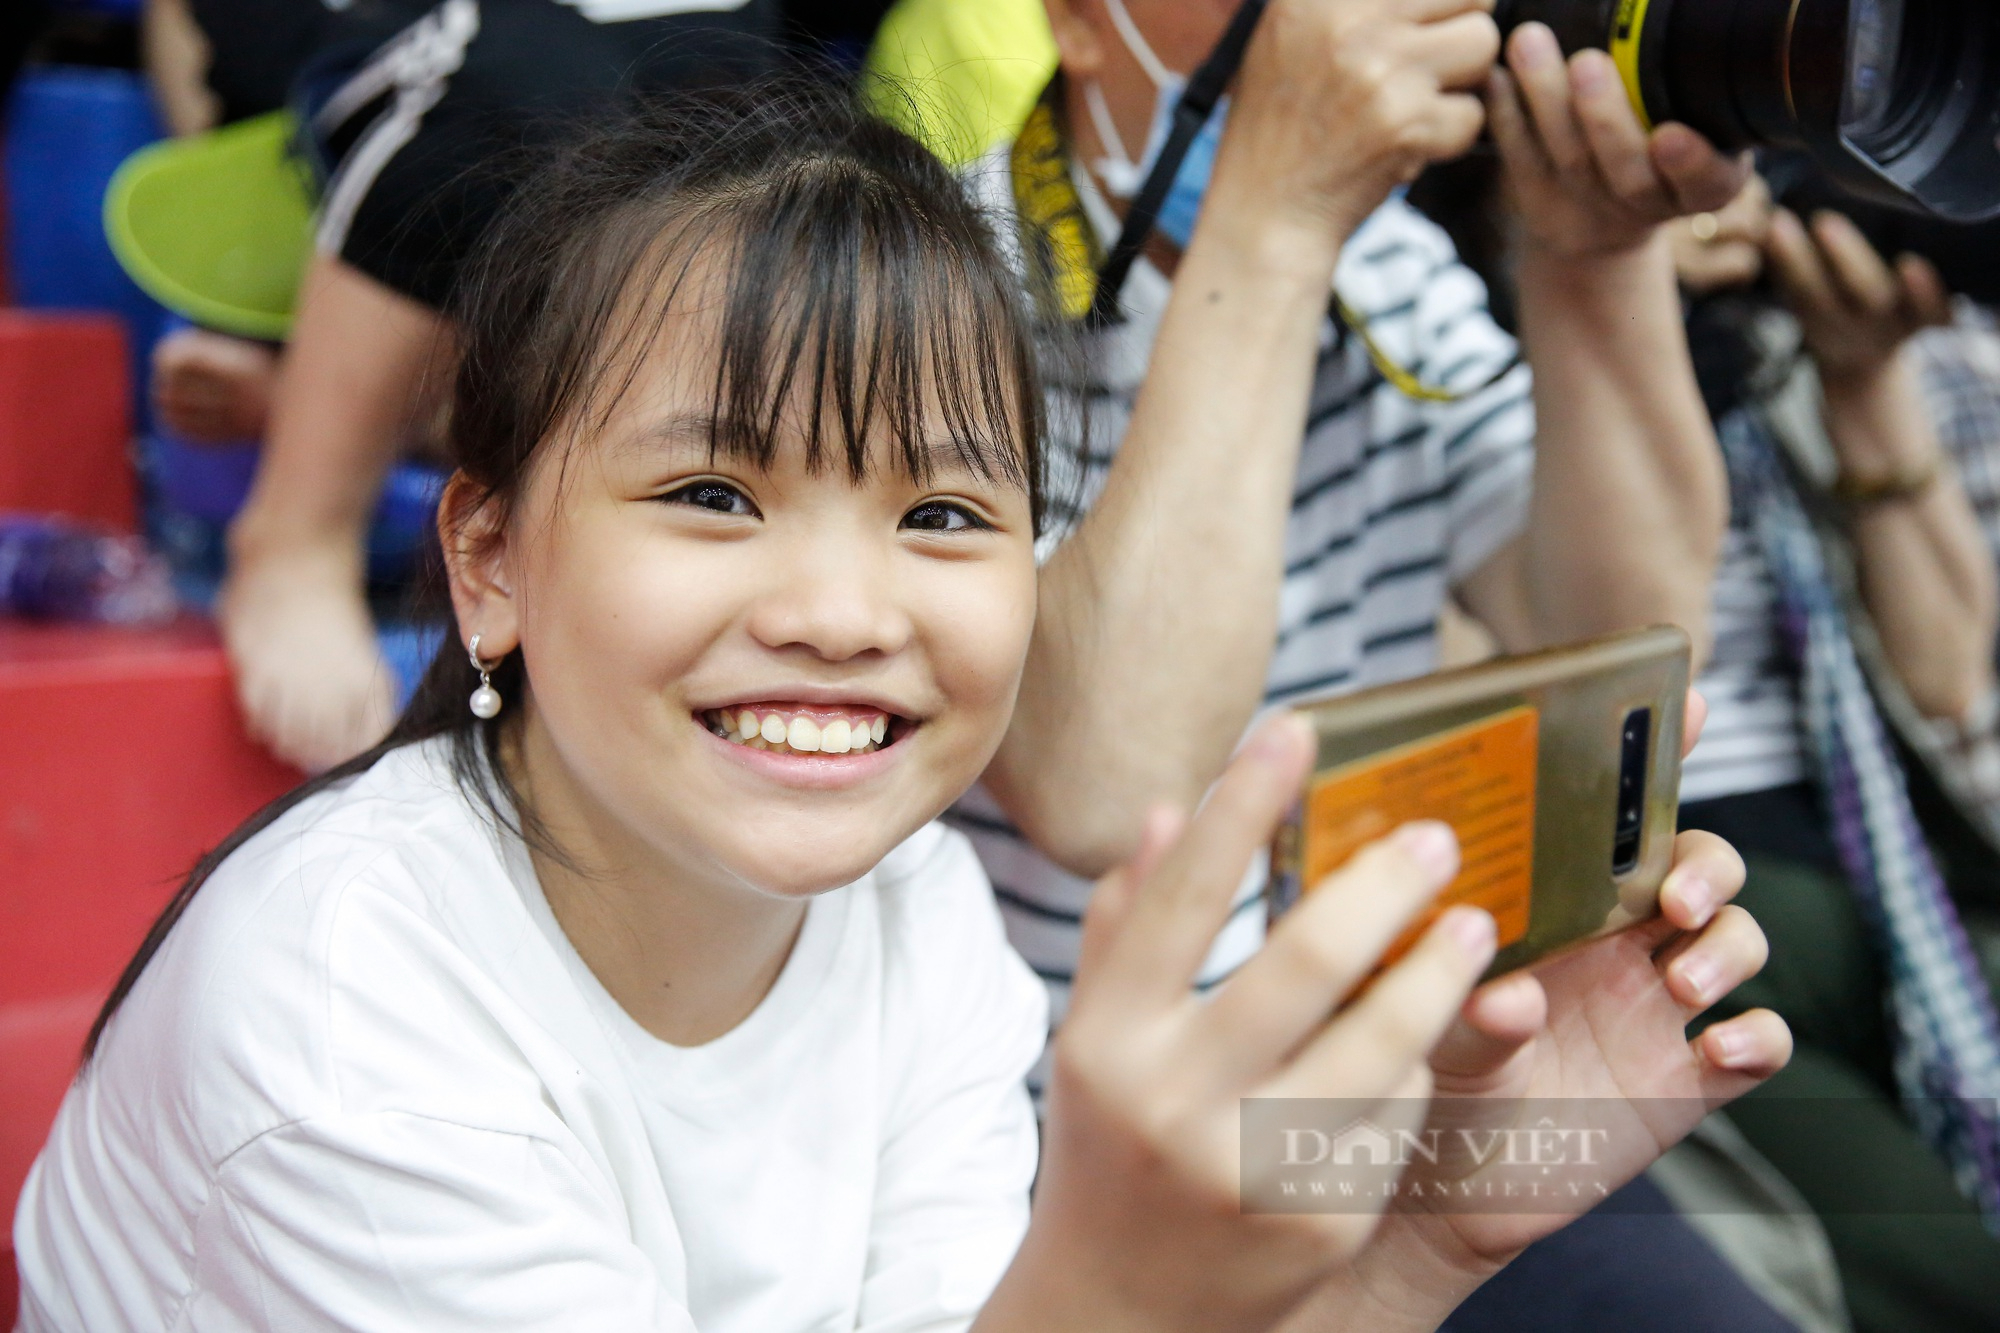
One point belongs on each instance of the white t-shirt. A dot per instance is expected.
(368, 1084)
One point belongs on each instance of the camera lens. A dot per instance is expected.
(1897, 100)
(1874, 38)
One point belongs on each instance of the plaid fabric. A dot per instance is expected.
(1960, 369)
(1948, 1038)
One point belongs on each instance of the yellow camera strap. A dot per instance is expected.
(1056, 233)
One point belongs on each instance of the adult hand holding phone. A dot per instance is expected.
(1605, 1023)
(1137, 1220)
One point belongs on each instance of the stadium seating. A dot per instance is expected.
(125, 761)
(65, 417)
(122, 757)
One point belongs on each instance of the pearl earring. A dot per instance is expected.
(485, 700)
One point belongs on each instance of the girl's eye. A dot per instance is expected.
(942, 516)
(718, 497)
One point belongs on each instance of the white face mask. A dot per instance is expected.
(1123, 176)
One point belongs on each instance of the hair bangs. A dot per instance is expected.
(859, 319)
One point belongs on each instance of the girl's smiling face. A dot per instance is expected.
(765, 675)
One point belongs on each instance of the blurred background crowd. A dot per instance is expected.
(238, 223)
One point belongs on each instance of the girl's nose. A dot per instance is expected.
(833, 600)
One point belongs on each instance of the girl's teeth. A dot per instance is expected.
(799, 735)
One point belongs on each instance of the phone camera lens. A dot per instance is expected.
(1633, 754)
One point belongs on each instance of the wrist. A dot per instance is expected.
(1530, 242)
(1296, 231)
(1604, 278)
(1864, 383)
(1404, 1279)
(1877, 420)
(1267, 245)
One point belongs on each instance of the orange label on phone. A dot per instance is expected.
(1478, 778)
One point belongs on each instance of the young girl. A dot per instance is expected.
(629, 985)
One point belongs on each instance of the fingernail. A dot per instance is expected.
(1277, 736)
(1698, 896)
(1700, 976)
(1592, 72)
(1473, 931)
(1432, 845)
(1735, 1046)
(1535, 46)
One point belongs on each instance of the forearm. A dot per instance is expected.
(1924, 568)
(1158, 616)
(1630, 496)
(356, 374)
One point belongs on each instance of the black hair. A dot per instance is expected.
(861, 283)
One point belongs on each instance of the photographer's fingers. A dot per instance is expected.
(1431, 11)
(1178, 908)
(1460, 50)
(1323, 948)
(1863, 281)
(1459, 53)
(1796, 265)
(1617, 141)
(1704, 180)
(1527, 162)
(1924, 292)
(1395, 1024)
(1536, 63)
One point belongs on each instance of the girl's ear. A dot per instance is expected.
(476, 560)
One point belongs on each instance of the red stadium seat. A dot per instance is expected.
(124, 761)
(65, 417)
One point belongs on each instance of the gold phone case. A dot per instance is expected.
(1524, 757)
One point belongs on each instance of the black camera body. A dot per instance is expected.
(1897, 100)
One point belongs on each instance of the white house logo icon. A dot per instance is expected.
(1363, 1143)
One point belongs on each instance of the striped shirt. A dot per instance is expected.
(1396, 501)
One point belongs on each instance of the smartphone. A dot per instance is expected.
(1559, 771)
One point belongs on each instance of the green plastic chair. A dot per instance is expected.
(218, 226)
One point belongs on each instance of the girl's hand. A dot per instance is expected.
(1855, 309)
(1137, 1220)
(1584, 176)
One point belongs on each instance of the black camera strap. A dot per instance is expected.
(1197, 103)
